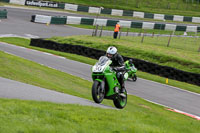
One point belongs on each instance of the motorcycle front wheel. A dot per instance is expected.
(97, 92)
(134, 78)
(120, 101)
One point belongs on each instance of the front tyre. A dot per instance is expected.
(97, 92)
(120, 101)
(134, 78)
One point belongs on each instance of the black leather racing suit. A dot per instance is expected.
(119, 67)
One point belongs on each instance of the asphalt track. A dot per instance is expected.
(18, 23)
(159, 93)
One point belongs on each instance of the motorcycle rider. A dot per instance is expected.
(117, 64)
(129, 63)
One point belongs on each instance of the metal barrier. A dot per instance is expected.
(3, 14)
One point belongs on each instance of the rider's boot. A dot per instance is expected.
(123, 90)
(121, 81)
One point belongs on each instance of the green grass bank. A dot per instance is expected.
(180, 54)
(137, 30)
(19, 69)
(138, 117)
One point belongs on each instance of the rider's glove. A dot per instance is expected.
(115, 68)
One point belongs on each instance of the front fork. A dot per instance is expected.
(102, 88)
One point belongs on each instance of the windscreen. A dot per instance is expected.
(102, 60)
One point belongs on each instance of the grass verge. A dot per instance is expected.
(138, 30)
(25, 43)
(139, 116)
(179, 54)
(38, 75)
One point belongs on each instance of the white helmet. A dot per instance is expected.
(111, 50)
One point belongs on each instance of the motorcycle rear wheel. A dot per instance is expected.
(120, 102)
(97, 93)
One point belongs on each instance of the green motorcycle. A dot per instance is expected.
(131, 70)
(106, 85)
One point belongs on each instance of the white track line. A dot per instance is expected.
(175, 110)
(184, 113)
(172, 87)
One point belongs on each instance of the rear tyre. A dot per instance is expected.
(97, 92)
(134, 78)
(120, 101)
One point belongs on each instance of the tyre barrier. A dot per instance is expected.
(100, 10)
(145, 66)
(3, 14)
(105, 22)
